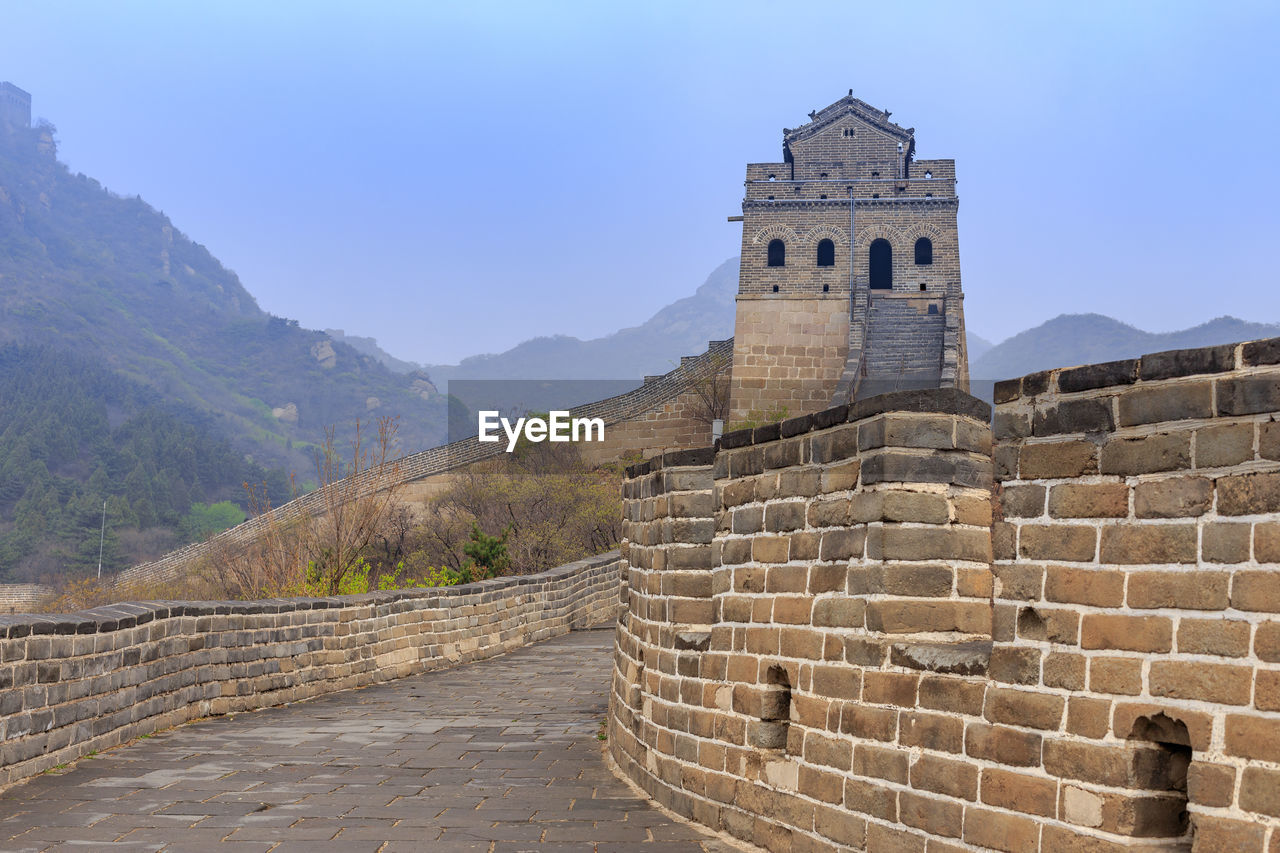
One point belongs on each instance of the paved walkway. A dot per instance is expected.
(496, 757)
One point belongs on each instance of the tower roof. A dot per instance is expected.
(819, 120)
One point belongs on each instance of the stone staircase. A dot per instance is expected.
(903, 347)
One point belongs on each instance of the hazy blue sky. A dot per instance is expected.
(453, 179)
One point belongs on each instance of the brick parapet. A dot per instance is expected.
(1123, 690)
(1136, 567)
(74, 683)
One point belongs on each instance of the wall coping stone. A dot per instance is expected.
(131, 614)
(943, 401)
(1151, 367)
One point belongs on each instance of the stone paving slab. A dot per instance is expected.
(500, 756)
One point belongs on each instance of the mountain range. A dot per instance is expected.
(142, 383)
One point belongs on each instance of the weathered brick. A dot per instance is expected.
(899, 616)
(1063, 670)
(935, 816)
(1005, 462)
(872, 800)
(1116, 765)
(871, 723)
(1120, 676)
(1000, 830)
(840, 826)
(951, 694)
(1260, 790)
(1257, 591)
(890, 688)
(1253, 737)
(1211, 784)
(1003, 538)
(1074, 543)
(1269, 440)
(1097, 587)
(784, 517)
(1020, 792)
(1102, 375)
(1089, 500)
(839, 612)
(1128, 633)
(1057, 459)
(770, 549)
(941, 732)
(1207, 682)
(1224, 542)
(1222, 637)
(1266, 690)
(841, 477)
(945, 776)
(828, 751)
(913, 579)
(1266, 642)
(1249, 494)
(793, 610)
(1024, 708)
(1176, 497)
(928, 543)
(1011, 665)
(1266, 542)
(1146, 454)
(1248, 395)
(1088, 716)
(1073, 416)
(915, 506)
(1180, 401)
(1261, 352)
(1010, 424)
(1222, 445)
(1003, 745)
(1182, 590)
(1024, 501)
(1146, 544)
(1222, 833)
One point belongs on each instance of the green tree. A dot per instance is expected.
(204, 520)
(488, 555)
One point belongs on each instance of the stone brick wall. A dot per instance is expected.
(71, 684)
(1137, 579)
(788, 351)
(22, 597)
(871, 629)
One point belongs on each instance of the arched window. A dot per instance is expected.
(881, 262)
(924, 251)
(777, 253)
(826, 253)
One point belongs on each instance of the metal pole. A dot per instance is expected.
(852, 250)
(102, 537)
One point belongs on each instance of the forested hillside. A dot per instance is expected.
(109, 278)
(73, 435)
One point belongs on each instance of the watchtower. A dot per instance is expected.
(850, 282)
(15, 106)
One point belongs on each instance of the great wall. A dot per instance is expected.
(902, 621)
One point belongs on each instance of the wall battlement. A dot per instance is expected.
(71, 684)
(15, 106)
(891, 626)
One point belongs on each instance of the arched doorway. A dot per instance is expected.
(881, 265)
